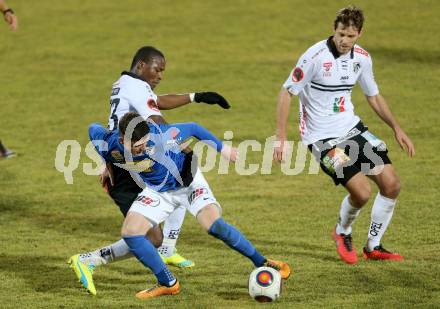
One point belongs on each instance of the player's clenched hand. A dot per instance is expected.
(211, 98)
(229, 153)
(404, 142)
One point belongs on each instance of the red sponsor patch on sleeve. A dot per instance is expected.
(361, 51)
(297, 74)
(152, 105)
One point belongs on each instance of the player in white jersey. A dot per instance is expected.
(323, 79)
(133, 92)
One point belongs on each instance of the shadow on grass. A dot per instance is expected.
(42, 273)
(36, 214)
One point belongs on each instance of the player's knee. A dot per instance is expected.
(207, 216)
(127, 230)
(391, 189)
(361, 196)
(132, 230)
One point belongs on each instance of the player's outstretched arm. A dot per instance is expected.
(170, 101)
(283, 107)
(187, 130)
(380, 106)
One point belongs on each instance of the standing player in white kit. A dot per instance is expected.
(323, 79)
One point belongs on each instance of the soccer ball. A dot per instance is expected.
(265, 284)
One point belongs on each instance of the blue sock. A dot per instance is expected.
(147, 254)
(234, 239)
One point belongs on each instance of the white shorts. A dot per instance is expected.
(157, 206)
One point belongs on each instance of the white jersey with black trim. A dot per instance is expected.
(323, 80)
(131, 94)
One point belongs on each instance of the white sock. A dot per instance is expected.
(114, 252)
(347, 215)
(381, 214)
(171, 231)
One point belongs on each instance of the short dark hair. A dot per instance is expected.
(140, 130)
(145, 54)
(350, 16)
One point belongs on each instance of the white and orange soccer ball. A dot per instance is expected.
(265, 284)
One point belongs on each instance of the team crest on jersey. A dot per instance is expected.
(148, 200)
(356, 67)
(152, 105)
(117, 156)
(297, 75)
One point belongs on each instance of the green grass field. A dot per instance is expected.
(55, 78)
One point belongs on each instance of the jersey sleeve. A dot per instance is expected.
(301, 74)
(144, 101)
(97, 134)
(186, 130)
(366, 78)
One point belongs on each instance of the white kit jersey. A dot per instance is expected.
(323, 79)
(131, 94)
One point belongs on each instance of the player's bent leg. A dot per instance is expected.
(381, 214)
(209, 218)
(135, 226)
(359, 192)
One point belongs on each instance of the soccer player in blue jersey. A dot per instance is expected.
(176, 184)
(134, 91)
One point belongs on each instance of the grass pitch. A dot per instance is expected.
(55, 79)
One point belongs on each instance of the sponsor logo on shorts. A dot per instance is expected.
(335, 159)
(196, 194)
(352, 133)
(148, 201)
